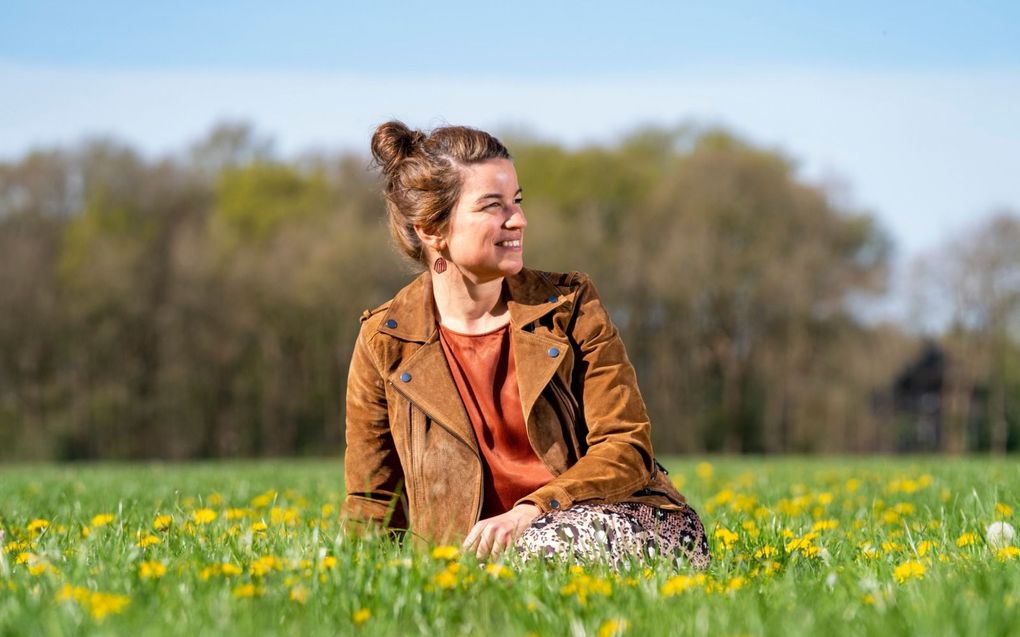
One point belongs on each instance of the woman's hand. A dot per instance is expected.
(492, 536)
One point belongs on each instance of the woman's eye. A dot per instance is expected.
(519, 200)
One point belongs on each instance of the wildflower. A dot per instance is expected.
(704, 470)
(852, 485)
(286, 516)
(236, 514)
(263, 565)
(735, 584)
(909, 570)
(966, 539)
(204, 516)
(215, 499)
(445, 553)
(825, 525)
(248, 590)
(148, 540)
(38, 525)
(766, 551)
(999, 534)
(230, 569)
(1008, 553)
(613, 627)
(299, 594)
(102, 519)
(328, 563)
(924, 547)
(446, 579)
(162, 523)
(103, 604)
(1003, 510)
(264, 499)
(259, 527)
(680, 583)
(151, 570)
(498, 571)
(582, 586)
(726, 537)
(361, 616)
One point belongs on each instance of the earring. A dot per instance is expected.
(439, 265)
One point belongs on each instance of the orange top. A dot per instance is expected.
(484, 370)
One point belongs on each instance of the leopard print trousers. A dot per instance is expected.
(617, 534)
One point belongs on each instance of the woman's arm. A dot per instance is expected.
(372, 472)
(619, 459)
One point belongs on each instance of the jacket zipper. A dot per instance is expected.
(481, 488)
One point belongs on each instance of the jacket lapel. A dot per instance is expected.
(412, 317)
(532, 296)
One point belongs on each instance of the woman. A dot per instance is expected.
(490, 402)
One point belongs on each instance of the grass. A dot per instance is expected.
(800, 546)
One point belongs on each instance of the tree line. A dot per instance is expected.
(205, 304)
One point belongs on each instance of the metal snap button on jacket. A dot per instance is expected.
(391, 324)
(405, 377)
(554, 504)
(554, 352)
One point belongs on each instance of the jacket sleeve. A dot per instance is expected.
(619, 459)
(372, 472)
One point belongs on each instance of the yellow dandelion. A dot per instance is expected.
(681, 583)
(247, 590)
(148, 540)
(1008, 553)
(613, 628)
(1003, 510)
(299, 594)
(825, 525)
(911, 569)
(966, 539)
(328, 563)
(766, 551)
(445, 579)
(203, 516)
(924, 547)
(445, 553)
(38, 525)
(704, 470)
(726, 537)
(162, 522)
(102, 519)
(103, 604)
(498, 571)
(264, 499)
(259, 527)
(230, 570)
(361, 616)
(151, 570)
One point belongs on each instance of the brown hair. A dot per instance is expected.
(423, 175)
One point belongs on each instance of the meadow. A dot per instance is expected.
(877, 546)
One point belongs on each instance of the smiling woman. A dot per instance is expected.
(491, 403)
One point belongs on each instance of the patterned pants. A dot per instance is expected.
(617, 533)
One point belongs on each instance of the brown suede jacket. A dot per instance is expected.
(412, 460)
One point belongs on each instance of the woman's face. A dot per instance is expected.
(485, 236)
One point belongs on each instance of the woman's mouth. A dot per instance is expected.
(510, 243)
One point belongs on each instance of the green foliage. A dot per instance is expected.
(254, 200)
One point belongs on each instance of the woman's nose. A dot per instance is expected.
(517, 219)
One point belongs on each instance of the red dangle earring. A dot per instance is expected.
(439, 265)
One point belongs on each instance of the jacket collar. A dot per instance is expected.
(412, 313)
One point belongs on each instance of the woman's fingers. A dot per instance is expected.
(473, 536)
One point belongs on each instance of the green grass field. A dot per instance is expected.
(800, 547)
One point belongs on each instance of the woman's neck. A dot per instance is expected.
(469, 307)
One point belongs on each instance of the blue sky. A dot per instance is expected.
(911, 106)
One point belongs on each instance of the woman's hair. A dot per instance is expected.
(423, 176)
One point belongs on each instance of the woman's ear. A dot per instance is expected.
(434, 241)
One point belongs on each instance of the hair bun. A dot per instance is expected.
(392, 143)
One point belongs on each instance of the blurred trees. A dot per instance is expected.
(974, 280)
(206, 305)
